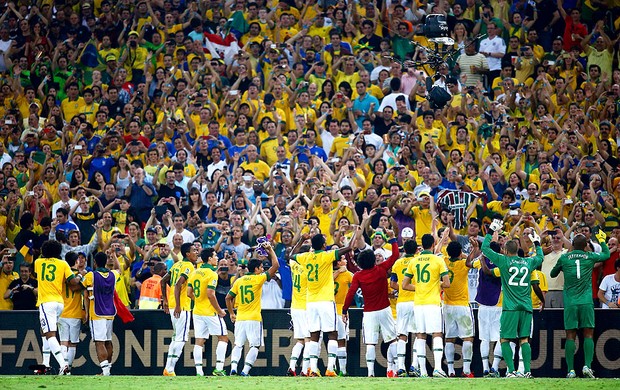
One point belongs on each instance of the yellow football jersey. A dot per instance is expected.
(88, 282)
(398, 270)
(541, 279)
(300, 286)
(426, 271)
(201, 280)
(458, 293)
(248, 291)
(52, 274)
(181, 268)
(319, 274)
(341, 288)
(72, 301)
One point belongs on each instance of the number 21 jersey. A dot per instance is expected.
(319, 273)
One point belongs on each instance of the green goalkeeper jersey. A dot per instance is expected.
(515, 273)
(577, 267)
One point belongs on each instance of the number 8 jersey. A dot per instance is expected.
(426, 271)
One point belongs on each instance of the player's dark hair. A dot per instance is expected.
(70, 258)
(159, 268)
(51, 248)
(580, 242)
(511, 247)
(366, 259)
(410, 247)
(253, 264)
(495, 246)
(617, 264)
(454, 249)
(185, 248)
(427, 241)
(206, 254)
(318, 242)
(101, 259)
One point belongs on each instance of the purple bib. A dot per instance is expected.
(103, 291)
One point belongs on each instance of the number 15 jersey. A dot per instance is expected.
(319, 274)
(426, 271)
(248, 291)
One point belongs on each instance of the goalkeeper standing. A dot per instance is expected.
(577, 266)
(516, 318)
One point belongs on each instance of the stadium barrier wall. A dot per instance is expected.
(140, 347)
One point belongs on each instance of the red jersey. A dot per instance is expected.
(373, 283)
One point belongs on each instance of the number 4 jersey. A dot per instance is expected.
(426, 271)
(515, 273)
(247, 291)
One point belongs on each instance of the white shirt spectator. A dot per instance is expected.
(492, 46)
(272, 296)
(611, 286)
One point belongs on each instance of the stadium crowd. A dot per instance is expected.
(148, 136)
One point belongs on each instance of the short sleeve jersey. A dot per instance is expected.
(458, 293)
(341, 288)
(72, 301)
(398, 274)
(426, 271)
(515, 273)
(202, 280)
(182, 268)
(577, 268)
(52, 274)
(247, 291)
(300, 286)
(319, 274)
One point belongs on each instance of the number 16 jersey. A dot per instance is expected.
(426, 271)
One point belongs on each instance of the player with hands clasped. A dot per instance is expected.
(516, 318)
(179, 302)
(577, 266)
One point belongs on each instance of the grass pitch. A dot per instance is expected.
(270, 382)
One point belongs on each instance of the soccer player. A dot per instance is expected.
(577, 267)
(320, 304)
(489, 310)
(248, 319)
(99, 302)
(342, 284)
(300, 323)
(458, 316)
(516, 318)
(179, 302)
(208, 315)
(430, 275)
(52, 273)
(72, 315)
(405, 321)
(377, 311)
